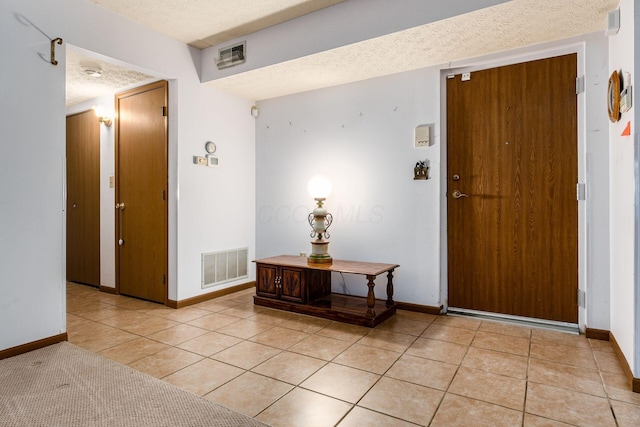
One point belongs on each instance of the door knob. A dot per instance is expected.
(457, 194)
(75, 206)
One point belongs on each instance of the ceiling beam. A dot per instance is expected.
(340, 25)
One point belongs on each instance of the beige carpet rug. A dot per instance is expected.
(64, 385)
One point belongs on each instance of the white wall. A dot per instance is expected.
(209, 209)
(594, 131)
(361, 136)
(636, 136)
(216, 206)
(32, 306)
(621, 49)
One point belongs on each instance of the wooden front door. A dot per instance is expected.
(511, 190)
(83, 198)
(141, 192)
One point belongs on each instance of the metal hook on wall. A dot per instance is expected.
(53, 49)
(27, 23)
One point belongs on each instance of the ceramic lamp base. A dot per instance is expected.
(319, 260)
(319, 253)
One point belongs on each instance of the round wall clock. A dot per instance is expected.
(210, 146)
(613, 97)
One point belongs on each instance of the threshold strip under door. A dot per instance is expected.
(570, 328)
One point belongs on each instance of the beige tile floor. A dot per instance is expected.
(287, 369)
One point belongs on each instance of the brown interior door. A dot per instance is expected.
(141, 186)
(83, 198)
(511, 190)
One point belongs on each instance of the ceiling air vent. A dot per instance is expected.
(230, 56)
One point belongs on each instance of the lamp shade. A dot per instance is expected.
(319, 187)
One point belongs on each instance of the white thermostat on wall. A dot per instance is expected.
(210, 147)
(422, 136)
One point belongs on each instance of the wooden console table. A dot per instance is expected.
(289, 283)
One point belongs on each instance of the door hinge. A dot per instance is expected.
(164, 111)
(164, 279)
(164, 196)
(579, 85)
(582, 296)
(581, 191)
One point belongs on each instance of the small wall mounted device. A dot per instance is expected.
(210, 147)
(613, 22)
(209, 159)
(422, 136)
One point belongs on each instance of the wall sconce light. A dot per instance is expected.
(106, 120)
(103, 116)
(319, 188)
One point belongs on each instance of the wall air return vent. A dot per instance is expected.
(225, 266)
(230, 56)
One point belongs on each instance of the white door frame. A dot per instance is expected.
(499, 61)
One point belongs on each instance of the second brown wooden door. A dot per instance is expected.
(141, 168)
(83, 198)
(511, 190)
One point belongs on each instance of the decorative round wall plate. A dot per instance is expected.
(613, 97)
(210, 146)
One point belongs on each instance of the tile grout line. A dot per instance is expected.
(444, 395)
(80, 295)
(353, 405)
(526, 383)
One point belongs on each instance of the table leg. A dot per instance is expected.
(390, 288)
(371, 297)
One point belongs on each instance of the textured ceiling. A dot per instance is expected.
(81, 87)
(204, 23)
(510, 25)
